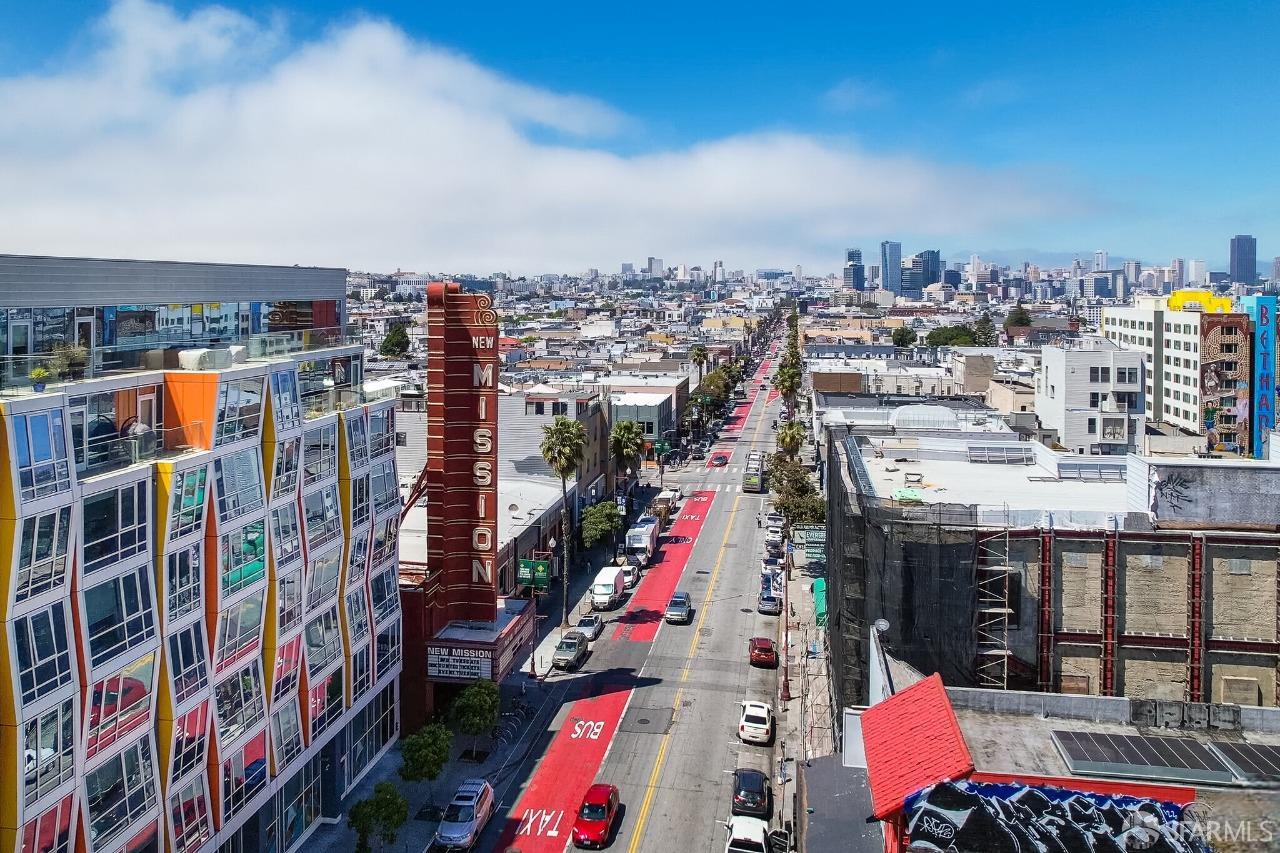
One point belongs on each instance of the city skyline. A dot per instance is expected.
(555, 156)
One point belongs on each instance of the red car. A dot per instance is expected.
(763, 652)
(594, 824)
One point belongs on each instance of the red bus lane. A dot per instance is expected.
(736, 421)
(639, 623)
(542, 820)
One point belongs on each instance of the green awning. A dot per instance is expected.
(820, 600)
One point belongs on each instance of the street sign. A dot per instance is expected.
(662, 446)
(535, 573)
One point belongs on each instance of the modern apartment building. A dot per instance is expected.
(198, 519)
(1198, 362)
(1089, 392)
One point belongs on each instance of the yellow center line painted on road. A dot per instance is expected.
(651, 787)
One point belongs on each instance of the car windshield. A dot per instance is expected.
(567, 646)
(592, 811)
(755, 720)
(459, 813)
(588, 621)
(742, 845)
(750, 783)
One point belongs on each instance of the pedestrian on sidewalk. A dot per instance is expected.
(759, 523)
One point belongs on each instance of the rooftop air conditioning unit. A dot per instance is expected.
(204, 359)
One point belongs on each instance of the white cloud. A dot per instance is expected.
(849, 94)
(215, 137)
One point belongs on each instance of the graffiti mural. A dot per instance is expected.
(984, 817)
(1224, 381)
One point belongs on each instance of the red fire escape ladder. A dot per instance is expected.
(1109, 631)
(1046, 612)
(1195, 621)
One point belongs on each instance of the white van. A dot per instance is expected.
(607, 588)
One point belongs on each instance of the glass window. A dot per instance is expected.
(385, 593)
(388, 644)
(324, 641)
(188, 662)
(361, 500)
(119, 792)
(382, 435)
(358, 561)
(361, 672)
(239, 703)
(357, 616)
(322, 578)
(323, 517)
(325, 702)
(41, 444)
(368, 731)
(288, 664)
(189, 808)
(386, 491)
(286, 534)
(115, 525)
(185, 579)
(284, 399)
(357, 439)
(239, 477)
(239, 410)
(44, 662)
(239, 630)
(119, 615)
(243, 557)
(298, 802)
(286, 466)
(187, 513)
(51, 832)
(290, 592)
(42, 555)
(286, 729)
(386, 534)
(319, 453)
(190, 740)
(50, 756)
(119, 704)
(244, 774)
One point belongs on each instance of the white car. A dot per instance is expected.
(746, 835)
(630, 576)
(590, 626)
(774, 519)
(756, 724)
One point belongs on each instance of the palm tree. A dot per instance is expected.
(790, 436)
(698, 355)
(563, 443)
(787, 381)
(626, 443)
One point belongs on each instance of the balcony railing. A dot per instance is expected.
(138, 443)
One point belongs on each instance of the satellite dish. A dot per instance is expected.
(513, 508)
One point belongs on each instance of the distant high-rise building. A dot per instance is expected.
(628, 270)
(1197, 273)
(1275, 269)
(798, 274)
(718, 271)
(1244, 259)
(1178, 272)
(932, 266)
(891, 266)
(873, 274)
(853, 256)
(1100, 260)
(912, 277)
(1077, 268)
(951, 277)
(1132, 272)
(855, 274)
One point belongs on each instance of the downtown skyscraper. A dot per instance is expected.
(891, 266)
(1244, 258)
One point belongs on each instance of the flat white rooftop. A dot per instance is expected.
(509, 609)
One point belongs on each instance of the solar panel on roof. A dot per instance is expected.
(1256, 762)
(1142, 757)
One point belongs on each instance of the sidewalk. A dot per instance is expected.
(545, 697)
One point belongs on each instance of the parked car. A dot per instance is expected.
(777, 520)
(697, 452)
(593, 827)
(761, 651)
(769, 604)
(590, 626)
(752, 793)
(630, 576)
(570, 652)
(680, 609)
(466, 815)
(771, 567)
(756, 723)
(746, 835)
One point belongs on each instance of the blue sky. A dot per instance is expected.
(1143, 128)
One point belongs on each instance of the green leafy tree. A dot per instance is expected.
(699, 356)
(396, 343)
(626, 443)
(564, 442)
(380, 293)
(790, 436)
(803, 508)
(379, 817)
(600, 521)
(984, 331)
(425, 753)
(950, 336)
(904, 336)
(787, 381)
(475, 711)
(1019, 317)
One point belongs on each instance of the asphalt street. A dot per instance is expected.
(654, 710)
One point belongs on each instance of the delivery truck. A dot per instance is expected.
(606, 589)
(642, 541)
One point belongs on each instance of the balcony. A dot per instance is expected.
(137, 443)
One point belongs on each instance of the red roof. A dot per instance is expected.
(912, 740)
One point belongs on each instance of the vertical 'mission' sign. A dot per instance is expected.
(462, 454)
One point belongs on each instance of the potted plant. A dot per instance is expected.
(39, 376)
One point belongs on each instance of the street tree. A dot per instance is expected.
(425, 753)
(564, 442)
(984, 331)
(396, 343)
(626, 443)
(904, 336)
(790, 436)
(699, 356)
(475, 711)
(950, 336)
(787, 381)
(379, 817)
(1019, 317)
(600, 521)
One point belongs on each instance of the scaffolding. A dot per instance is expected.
(992, 571)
